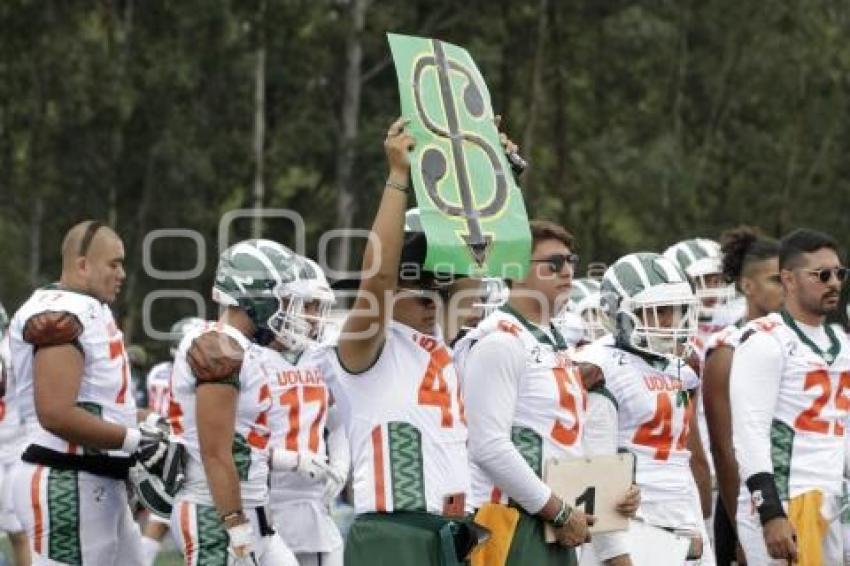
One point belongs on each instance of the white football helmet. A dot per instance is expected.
(649, 305)
(701, 260)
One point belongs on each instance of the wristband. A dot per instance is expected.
(398, 186)
(562, 516)
(131, 440)
(764, 496)
(232, 515)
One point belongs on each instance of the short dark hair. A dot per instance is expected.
(802, 241)
(548, 230)
(742, 246)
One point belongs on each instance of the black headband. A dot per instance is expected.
(91, 230)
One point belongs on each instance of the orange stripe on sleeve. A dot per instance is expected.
(378, 463)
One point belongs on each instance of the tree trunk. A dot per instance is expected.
(346, 205)
(259, 127)
(560, 128)
(536, 96)
(133, 304)
(118, 48)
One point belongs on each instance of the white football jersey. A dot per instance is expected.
(654, 408)
(551, 401)
(704, 343)
(251, 436)
(158, 386)
(105, 388)
(299, 413)
(807, 433)
(729, 336)
(405, 424)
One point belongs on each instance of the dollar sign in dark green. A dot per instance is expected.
(433, 161)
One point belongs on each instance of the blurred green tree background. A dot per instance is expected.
(644, 122)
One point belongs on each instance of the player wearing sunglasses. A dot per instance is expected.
(789, 400)
(751, 262)
(526, 404)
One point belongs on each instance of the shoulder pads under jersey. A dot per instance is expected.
(214, 357)
(52, 328)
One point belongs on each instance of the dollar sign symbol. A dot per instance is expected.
(433, 161)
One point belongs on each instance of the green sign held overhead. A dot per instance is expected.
(471, 208)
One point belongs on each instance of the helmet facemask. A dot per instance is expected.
(663, 327)
(594, 323)
(712, 293)
(302, 315)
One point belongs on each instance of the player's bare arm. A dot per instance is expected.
(215, 359)
(57, 372)
(364, 330)
(719, 418)
(699, 462)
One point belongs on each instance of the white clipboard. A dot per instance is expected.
(593, 484)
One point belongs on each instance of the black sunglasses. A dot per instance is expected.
(558, 261)
(825, 274)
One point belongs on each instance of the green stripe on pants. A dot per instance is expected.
(63, 508)
(212, 538)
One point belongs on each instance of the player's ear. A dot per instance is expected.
(786, 276)
(746, 286)
(82, 264)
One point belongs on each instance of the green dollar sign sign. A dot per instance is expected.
(433, 162)
(472, 210)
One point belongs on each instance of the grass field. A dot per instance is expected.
(167, 557)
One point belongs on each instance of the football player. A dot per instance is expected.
(71, 372)
(525, 404)
(788, 392)
(219, 409)
(310, 458)
(641, 393)
(399, 394)
(700, 259)
(157, 393)
(751, 261)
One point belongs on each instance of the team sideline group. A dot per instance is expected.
(435, 405)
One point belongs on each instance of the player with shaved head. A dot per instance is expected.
(72, 376)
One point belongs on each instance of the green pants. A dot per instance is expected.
(400, 539)
(529, 547)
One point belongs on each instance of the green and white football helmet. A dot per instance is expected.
(314, 291)
(649, 305)
(584, 301)
(702, 261)
(263, 278)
